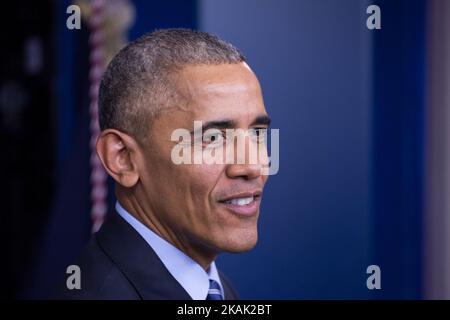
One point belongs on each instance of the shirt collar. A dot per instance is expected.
(189, 274)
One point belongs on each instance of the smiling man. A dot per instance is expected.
(174, 219)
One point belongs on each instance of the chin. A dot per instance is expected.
(241, 241)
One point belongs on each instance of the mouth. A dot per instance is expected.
(244, 204)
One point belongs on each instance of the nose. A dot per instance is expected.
(246, 171)
(248, 161)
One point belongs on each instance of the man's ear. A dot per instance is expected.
(117, 152)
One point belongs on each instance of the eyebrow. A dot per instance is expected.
(219, 124)
(229, 123)
(262, 120)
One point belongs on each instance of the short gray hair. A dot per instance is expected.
(135, 86)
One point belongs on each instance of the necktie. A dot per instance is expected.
(214, 292)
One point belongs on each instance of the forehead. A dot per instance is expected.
(210, 91)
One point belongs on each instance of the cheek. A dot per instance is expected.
(188, 186)
(202, 180)
(195, 196)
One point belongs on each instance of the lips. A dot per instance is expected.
(241, 195)
(244, 204)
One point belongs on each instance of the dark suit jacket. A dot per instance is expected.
(119, 264)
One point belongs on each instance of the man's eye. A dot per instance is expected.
(213, 137)
(259, 134)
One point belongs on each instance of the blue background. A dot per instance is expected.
(349, 105)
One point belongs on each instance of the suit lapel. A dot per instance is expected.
(228, 290)
(138, 262)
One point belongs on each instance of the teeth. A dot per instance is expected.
(241, 201)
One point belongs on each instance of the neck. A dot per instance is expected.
(196, 251)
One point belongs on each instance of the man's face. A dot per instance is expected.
(206, 205)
